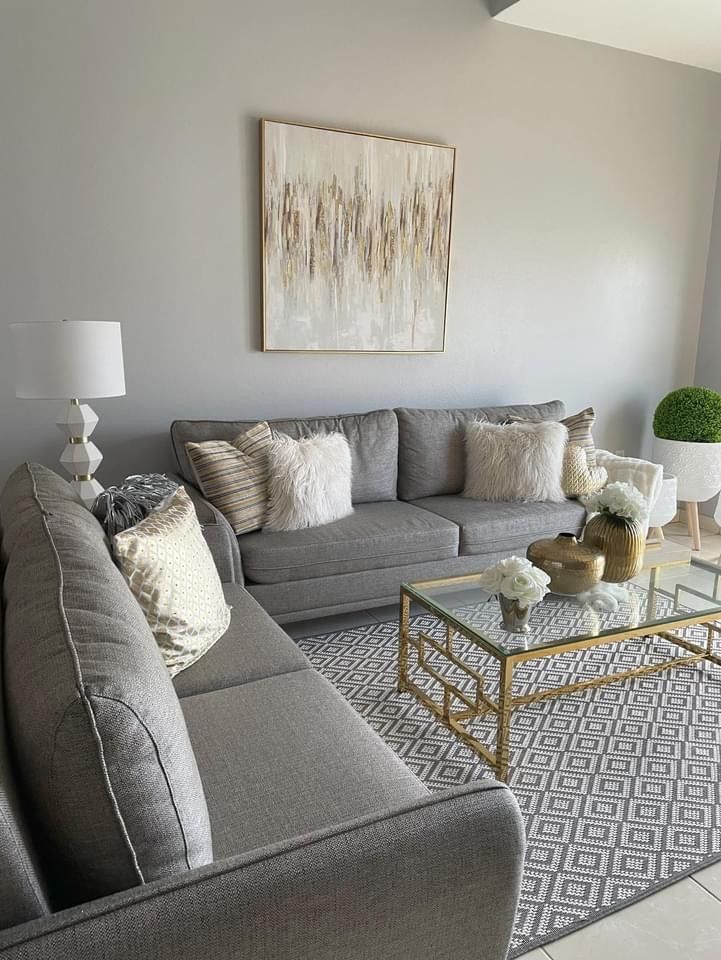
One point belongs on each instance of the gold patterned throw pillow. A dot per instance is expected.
(234, 476)
(172, 575)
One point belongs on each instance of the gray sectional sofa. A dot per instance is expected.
(243, 810)
(410, 520)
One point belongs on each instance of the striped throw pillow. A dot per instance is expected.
(579, 428)
(234, 476)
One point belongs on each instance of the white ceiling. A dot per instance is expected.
(687, 31)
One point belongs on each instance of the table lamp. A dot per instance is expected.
(71, 359)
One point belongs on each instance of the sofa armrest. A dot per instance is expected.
(438, 877)
(218, 533)
(643, 474)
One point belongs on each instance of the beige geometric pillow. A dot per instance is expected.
(234, 476)
(172, 575)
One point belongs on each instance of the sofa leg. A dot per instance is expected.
(655, 533)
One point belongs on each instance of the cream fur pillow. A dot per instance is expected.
(516, 461)
(309, 482)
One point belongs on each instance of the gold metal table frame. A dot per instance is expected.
(459, 708)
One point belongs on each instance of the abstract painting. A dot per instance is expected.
(356, 239)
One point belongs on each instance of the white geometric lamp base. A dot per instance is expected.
(78, 420)
(87, 490)
(81, 458)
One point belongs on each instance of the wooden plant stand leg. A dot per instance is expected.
(694, 529)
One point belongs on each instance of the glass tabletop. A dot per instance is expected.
(660, 598)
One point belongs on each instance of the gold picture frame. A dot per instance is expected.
(355, 240)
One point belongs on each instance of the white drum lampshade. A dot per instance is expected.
(71, 359)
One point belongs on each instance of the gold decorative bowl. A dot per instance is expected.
(572, 566)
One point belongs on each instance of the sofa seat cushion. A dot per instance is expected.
(496, 527)
(376, 535)
(285, 756)
(253, 648)
(92, 713)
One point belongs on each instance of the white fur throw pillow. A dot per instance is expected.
(310, 481)
(516, 461)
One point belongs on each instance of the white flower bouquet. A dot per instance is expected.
(620, 499)
(516, 579)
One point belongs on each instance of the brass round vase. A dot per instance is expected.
(622, 542)
(572, 566)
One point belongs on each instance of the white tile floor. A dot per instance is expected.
(681, 922)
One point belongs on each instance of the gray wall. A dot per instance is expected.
(129, 191)
(708, 362)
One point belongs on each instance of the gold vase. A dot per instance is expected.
(572, 566)
(622, 543)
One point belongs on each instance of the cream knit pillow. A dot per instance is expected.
(579, 479)
(516, 461)
(171, 572)
(310, 481)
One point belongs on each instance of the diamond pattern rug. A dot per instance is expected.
(620, 786)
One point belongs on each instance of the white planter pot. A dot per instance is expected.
(696, 465)
(664, 510)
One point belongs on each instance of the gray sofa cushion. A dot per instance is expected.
(376, 535)
(293, 600)
(253, 648)
(495, 527)
(22, 892)
(431, 444)
(92, 712)
(373, 440)
(315, 763)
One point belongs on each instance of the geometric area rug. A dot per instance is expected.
(619, 786)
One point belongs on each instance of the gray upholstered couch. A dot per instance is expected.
(410, 520)
(115, 781)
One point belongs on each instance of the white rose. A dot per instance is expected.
(491, 579)
(541, 578)
(524, 588)
(513, 565)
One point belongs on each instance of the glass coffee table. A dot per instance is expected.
(672, 593)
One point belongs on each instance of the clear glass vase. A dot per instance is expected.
(515, 617)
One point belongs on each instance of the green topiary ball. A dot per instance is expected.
(692, 414)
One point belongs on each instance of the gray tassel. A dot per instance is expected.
(118, 508)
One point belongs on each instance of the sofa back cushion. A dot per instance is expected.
(431, 458)
(92, 712)
(372, 437)
(22, 892)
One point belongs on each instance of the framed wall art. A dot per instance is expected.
(356, 232)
